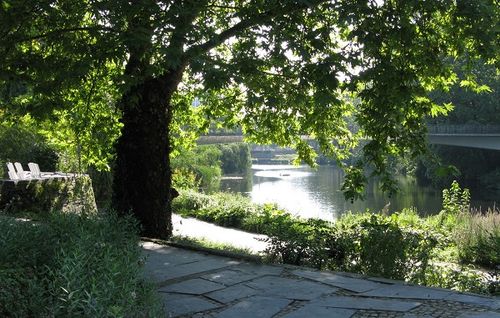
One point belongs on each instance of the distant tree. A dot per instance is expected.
(279, 67)
(476, 101)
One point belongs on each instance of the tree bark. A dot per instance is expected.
(142, 178)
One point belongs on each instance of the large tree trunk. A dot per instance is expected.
(142, 177)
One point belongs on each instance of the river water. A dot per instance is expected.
(316, 193)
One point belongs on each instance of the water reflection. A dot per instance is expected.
(317, 192)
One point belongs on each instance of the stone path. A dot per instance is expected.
(194, 284)
(193, 228)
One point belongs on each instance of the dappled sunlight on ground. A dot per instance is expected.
(193, 228)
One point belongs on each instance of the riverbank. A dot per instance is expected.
(401, 246)
(194, 284)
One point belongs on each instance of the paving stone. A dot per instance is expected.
(259, 269)
(489, 314)
(255, 307)
(232, 293)
(290, 288)
(178, 305)
(169, 255)
(365, 303)
(405, 291)
(230, 277)
(311, 310)
(411, 315)
(352, 284)
(194, 286)
(163, 272)
(475, 300)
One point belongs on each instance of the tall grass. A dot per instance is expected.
(73, 266)
(478, 236)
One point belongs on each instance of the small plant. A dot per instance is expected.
(455, 200)
(460, 278)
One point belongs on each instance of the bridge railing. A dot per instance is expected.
(463, 129)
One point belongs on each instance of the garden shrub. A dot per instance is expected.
(299, 242)
(221, 208)
(184, 179)
(461, 278)
(73, 266)
(203, 163)
(378, 245)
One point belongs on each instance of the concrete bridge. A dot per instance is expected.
(474, 136)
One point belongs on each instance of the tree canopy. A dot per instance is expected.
(280, 68)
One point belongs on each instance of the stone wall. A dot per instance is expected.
(70, 194)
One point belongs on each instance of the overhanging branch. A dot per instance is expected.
(243, 25)
(65, 30)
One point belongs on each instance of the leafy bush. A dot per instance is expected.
(72, 266)
(235, 158)
(460, 278)
(221, 208)
(302, 242)
(202, 163)
(183, 178)
(381, 246)
(455, 200)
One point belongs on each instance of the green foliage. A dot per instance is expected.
(235, 158)
(221, 208)
(205, 244)
(184, 178)
(401, 246)
(23, 144)
(302, 242)
(381, 246)
(202, 166)
(198, 167)
(455, 200)
(460, 278)
(71, 266)
(475, 167)
(478, 236)
(295, 60)
(471, 107)
(366, 243)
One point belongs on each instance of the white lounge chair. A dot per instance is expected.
(12, 171)
(35, 170)
(20, 171)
